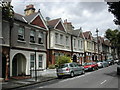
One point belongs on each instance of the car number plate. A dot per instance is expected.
(61, 73)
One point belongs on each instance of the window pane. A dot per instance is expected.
(40, 39)
(40, 64)
(32, 33)
(56, 37)
(61, 39)
(40, 60)
(32, 64)
(32, 57)
(21, 33)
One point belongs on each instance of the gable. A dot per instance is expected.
(38, 22)
(81, 35)
(60, 26)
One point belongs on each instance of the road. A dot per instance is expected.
(102, 78)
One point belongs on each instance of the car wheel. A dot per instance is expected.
(96, 68)
(59, 77)
(72, 74)
(93, 69)
(83, 71)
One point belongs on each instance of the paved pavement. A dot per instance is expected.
(46, 75)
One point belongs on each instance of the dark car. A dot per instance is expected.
(110, 61)
(90, 66)
(69, 69)
(118, 68)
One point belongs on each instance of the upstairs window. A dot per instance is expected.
(81, 44)
(74, 42)
(32, 36)
(21, 31)
(61, 39)
(56, 37)
(67, 40)
(40, 38)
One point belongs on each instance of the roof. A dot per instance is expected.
(19, 17)
(76, 32)
(86, 34)
(31, 18)
(53, 22)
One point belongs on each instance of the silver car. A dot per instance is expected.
(69, 69)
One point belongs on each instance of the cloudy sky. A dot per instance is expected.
(88, 15)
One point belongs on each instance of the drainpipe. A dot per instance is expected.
(71, 45)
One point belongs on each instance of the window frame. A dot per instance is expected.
(40, 37)
(32, 36)
(22, 34)
(32, 61)
(40, 61)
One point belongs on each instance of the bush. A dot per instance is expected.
(62, 60)
(52, 66)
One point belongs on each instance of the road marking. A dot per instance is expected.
(40, 87)
(103, 82)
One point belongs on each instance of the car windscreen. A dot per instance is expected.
(88, 64)
(63, 66)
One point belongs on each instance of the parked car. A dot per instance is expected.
(69, 69)
(118, 68)
(116, 61)
(100, 64)
(110, 61)
(91, 66)
(105, 64)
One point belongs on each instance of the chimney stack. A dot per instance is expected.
(29, 10)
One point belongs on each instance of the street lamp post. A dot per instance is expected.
(97, 42)
(35, 66)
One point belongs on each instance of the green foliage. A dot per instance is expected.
(62, 60)
(51, 66)
(114, 8)
(7, 10)
(113, 36)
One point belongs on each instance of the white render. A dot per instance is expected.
(27, 54)
(58, 46)
(76, 48)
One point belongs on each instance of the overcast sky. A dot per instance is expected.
(88, 15)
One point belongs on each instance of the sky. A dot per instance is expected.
(88, 14)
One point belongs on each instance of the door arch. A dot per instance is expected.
(74, 58)
(19, 65)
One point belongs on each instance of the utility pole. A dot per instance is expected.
(97, 42)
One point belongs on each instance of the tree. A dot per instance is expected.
(114, 8)
(114, 37)
(8, 15)
(62, 60)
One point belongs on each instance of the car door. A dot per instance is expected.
(78, 68)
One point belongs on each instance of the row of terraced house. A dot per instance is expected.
(32, 37)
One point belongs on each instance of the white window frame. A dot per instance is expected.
(33, 35)
(40, 36)
(22, 34)
(56, 38)
(40, 61)
(32, 61)
(61, 39)
(67, 40)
